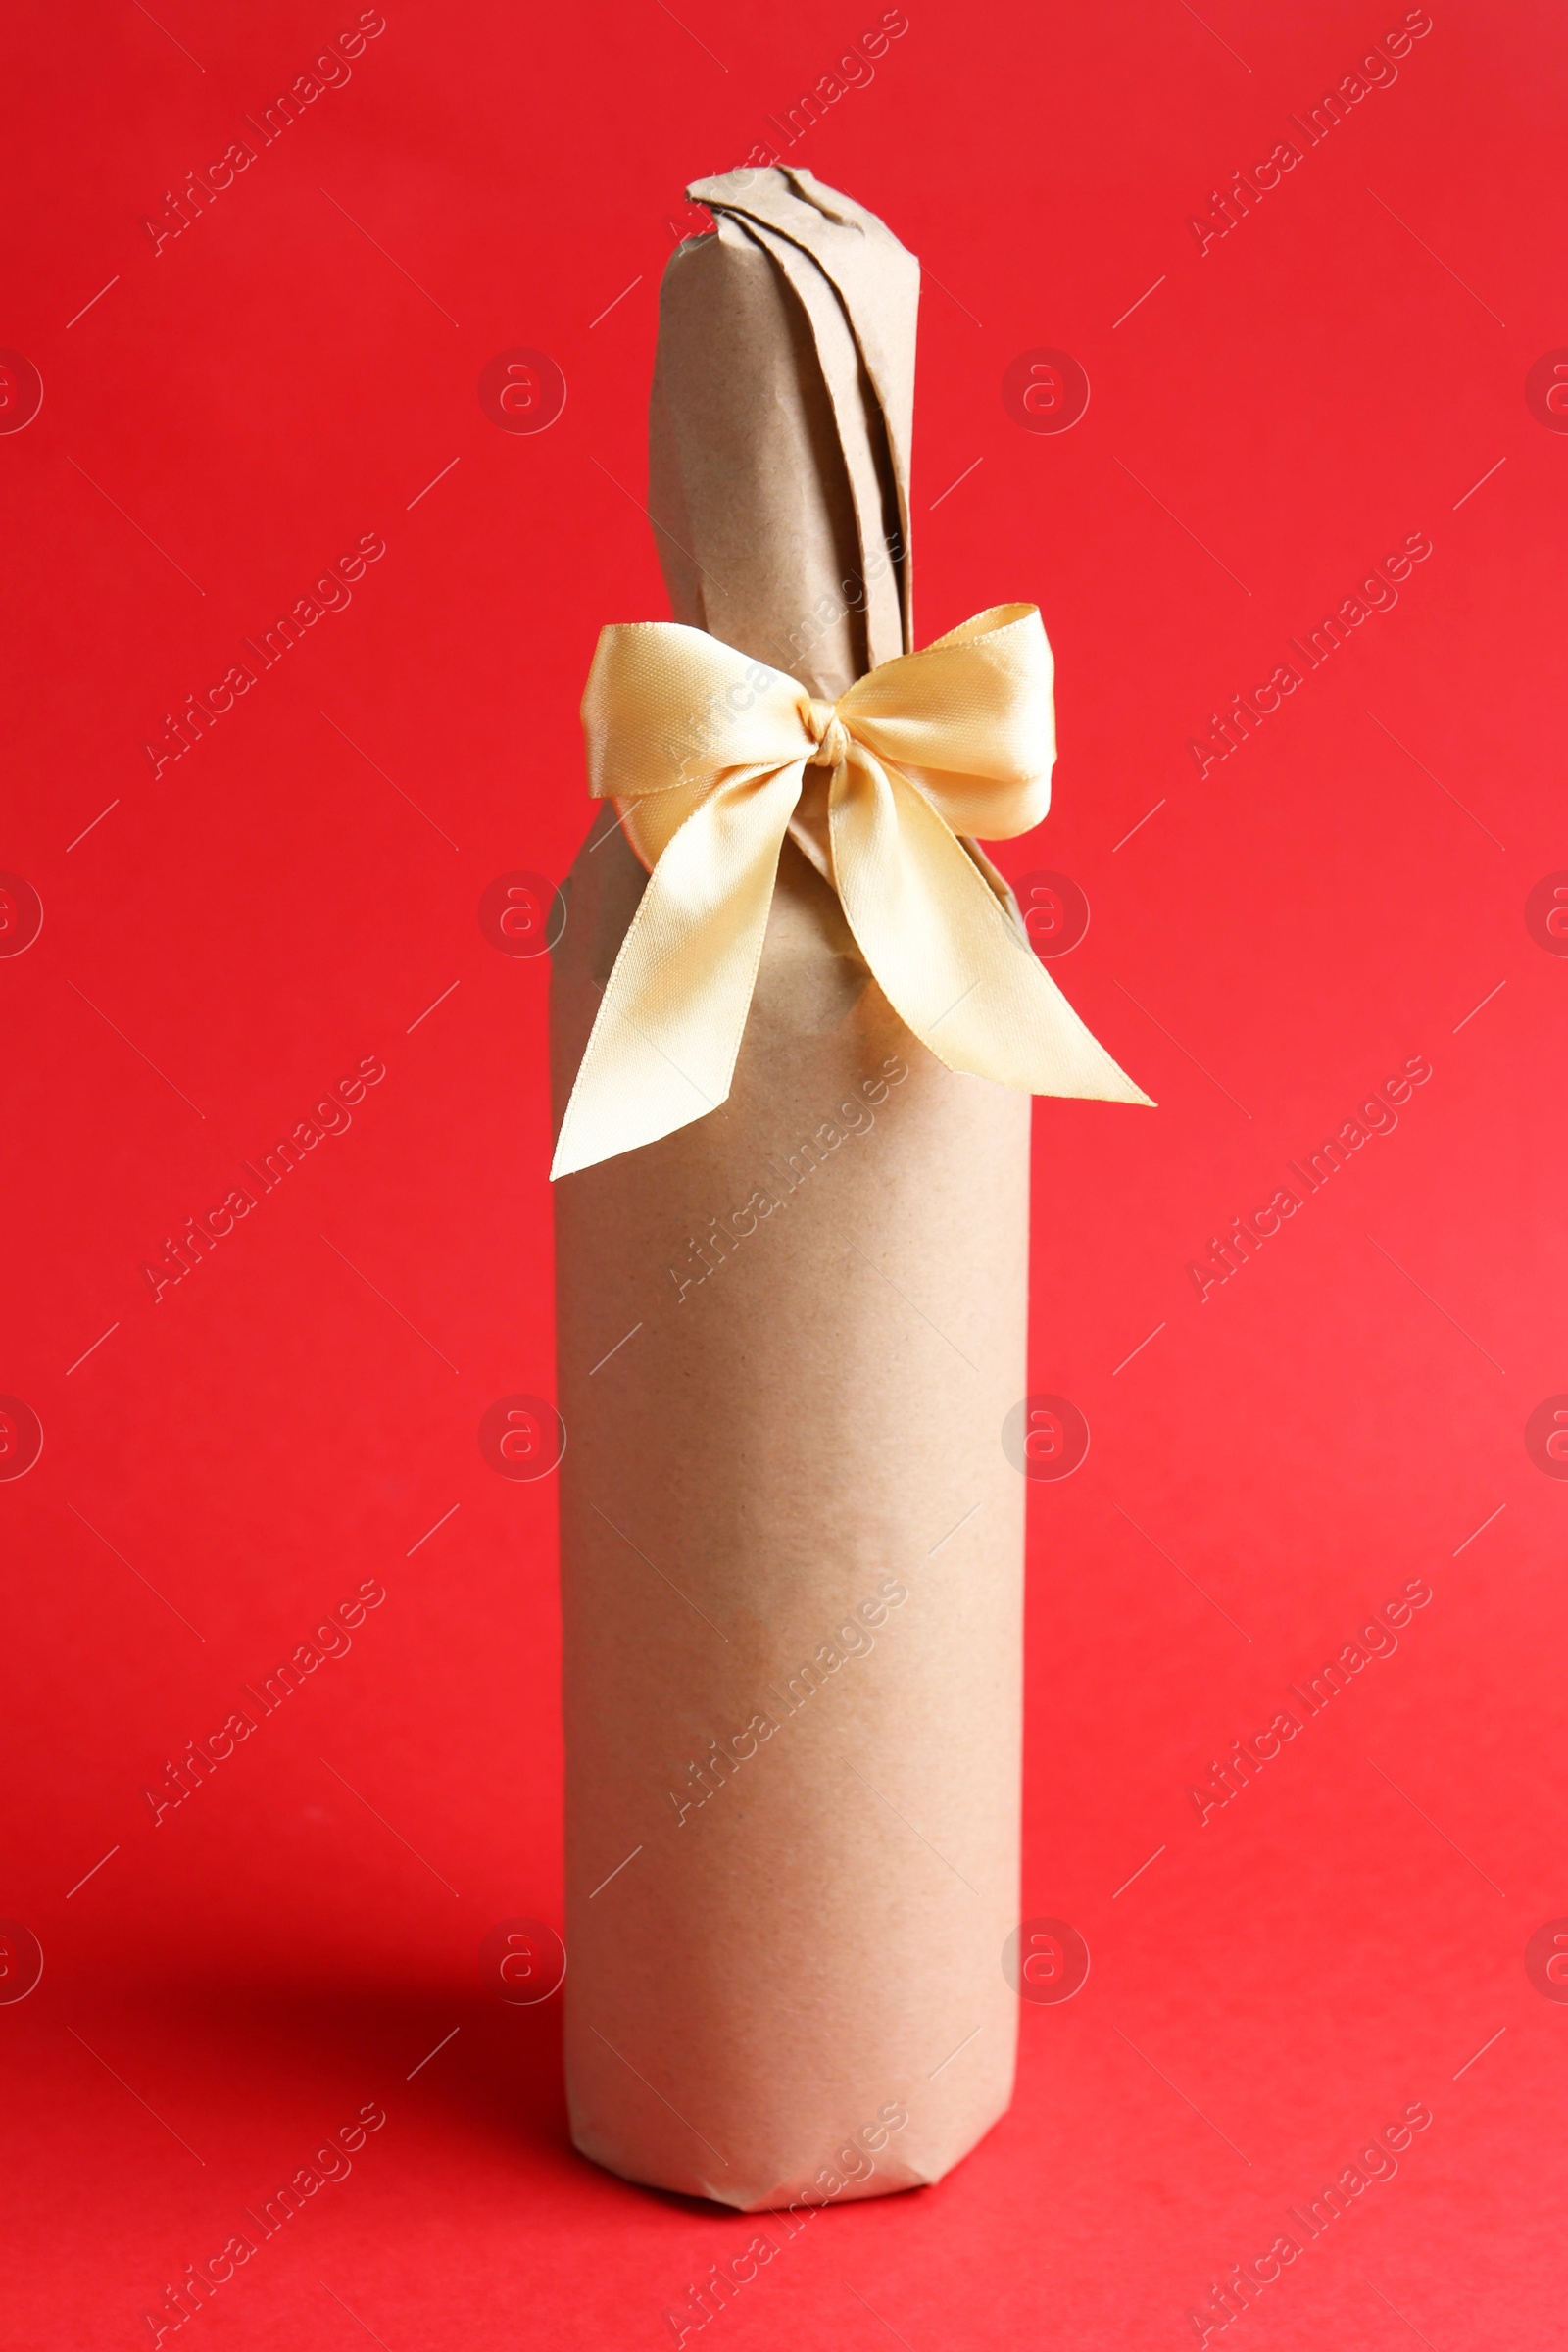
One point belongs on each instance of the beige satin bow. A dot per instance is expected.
(705, 754)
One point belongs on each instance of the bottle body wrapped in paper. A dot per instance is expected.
(789, 1335)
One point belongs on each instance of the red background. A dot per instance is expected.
(234, 412)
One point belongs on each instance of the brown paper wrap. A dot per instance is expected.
(791, 1544)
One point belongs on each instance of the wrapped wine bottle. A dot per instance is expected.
(790, 1333)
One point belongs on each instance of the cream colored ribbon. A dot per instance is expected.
(705, 754)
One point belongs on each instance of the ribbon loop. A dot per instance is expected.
(705, 754)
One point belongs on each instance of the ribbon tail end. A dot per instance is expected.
(572, 1156)
(1112, 1085)
(1120, 1088)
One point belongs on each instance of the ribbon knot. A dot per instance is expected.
(828, 733)
(704, 752)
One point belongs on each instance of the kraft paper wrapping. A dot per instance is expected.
(789, 1334)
